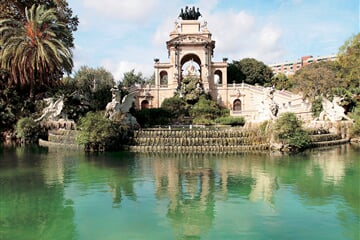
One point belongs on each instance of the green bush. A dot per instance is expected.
(355, 129)
(177, 107)
(205, 108)
(27, 130)
(233, 121)
(96, 131)
(202, 121)
(152, 116)
(288, 129)
(316, 107)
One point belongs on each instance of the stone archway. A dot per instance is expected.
(218, 77)
(237, 105)
(163, 78)
(190, 65)
(145, 104)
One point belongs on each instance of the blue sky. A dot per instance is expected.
(122, 35)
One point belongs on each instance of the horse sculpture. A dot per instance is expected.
(116, 107)
(332, 111)
(53, 110)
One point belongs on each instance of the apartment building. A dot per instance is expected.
(290, 68)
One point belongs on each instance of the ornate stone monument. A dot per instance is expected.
(190, 51)
(121, 108)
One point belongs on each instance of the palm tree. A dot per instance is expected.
(33, 51)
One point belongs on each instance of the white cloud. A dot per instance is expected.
(161, 34)
(119, 68)
(243, 35)
(120, 9)
(240, 35)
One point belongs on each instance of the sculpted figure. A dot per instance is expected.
(268, 108)
(113, 106)
(332, 111)
(53, 110)
(122, 108)
(189, 13)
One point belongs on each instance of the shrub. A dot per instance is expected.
(177, 107)
(27, 130)
(316, 107)
(205, 108)
(152, 116)
(96, 131)
(202, 121)
(264, 126)
(355, 129)
(288, 129)
(233, 121)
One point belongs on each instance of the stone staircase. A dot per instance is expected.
(61, 138)
(197, 140)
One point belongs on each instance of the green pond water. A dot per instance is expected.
(62, 194)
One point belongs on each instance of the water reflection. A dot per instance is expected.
(188, 183)
(30, 207)
(48, 192)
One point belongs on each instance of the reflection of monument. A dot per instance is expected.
(189, 185)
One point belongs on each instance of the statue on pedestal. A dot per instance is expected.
(189, 13)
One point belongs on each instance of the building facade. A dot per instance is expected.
(290, 68)
(190, 50)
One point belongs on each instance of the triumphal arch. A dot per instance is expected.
(190, 51)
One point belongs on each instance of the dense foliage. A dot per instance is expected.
(249, 70)
(131, 79)
(33, 52)
(15, 9)
(282, 82)
(355, 130)
(205, 111)
(27, 129)
(89, 86)
(317, 79)
(97, 132)
(152, 117)
(233, 121)
(177, 107)
(349, 64)
(316, 107)
(288, 129)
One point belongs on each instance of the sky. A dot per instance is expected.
(121, 35)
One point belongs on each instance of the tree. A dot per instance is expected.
(98, 132)
(131, 78)
(32, 51)
(90, 84)
(281, 81)
(317, 79)
(177, 107)
(205, 109)
(250, 71)
(349, 62)
(234, 74)
(288, 129)
(15, 9)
